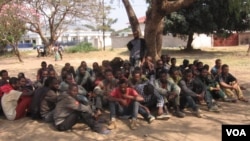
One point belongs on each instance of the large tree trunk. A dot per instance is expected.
(131, 16)
(248, 50)
(189, 46)
(153, 34)
(159, 37)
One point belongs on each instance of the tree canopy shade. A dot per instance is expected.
(220, 17)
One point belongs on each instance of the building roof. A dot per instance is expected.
(142, 19)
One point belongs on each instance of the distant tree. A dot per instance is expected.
(12, 26)
(221, 17)
(56, 16)
(102, 21)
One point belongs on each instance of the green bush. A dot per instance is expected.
(82, 47)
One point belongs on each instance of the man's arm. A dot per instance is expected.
(185, 89)
(129, 46)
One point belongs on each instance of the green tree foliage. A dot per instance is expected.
(12, 27)
(220, 17)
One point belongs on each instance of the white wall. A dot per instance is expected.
(202, 40)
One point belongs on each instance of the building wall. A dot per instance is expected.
(244, 38)
(73, 37)
(168, 41)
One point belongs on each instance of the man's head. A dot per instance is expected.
(53, 83)
(108, 74)
(185, 62)
(82, 70)
(188, 75)
(4, 74)
(136, 34)
(44, 65)
(73, 90)
(84, 64)
(218, 63)
(95, 66)
(14, 82)
(163, 76)
(148, 89)
(22, 81)
(44, 74)
(204, 72)
(136, 75)
(123, 85)
(159, 64)
(175, 73)
(51, 73)
(225, 69)
(67, 66)
(173, 61)
(69, 78)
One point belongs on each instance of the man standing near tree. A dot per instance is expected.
(137, 48)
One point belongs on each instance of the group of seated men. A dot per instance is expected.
(83, 94)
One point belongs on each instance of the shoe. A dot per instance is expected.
(164, 116)
(179, 114)
(150, 118)
(243, 99)
(197, 113)
(112, 125)
(214, 109)
(104, 131)
(230, 100)
(133, 124)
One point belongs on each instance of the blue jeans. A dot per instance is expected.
(188, 101)
(151, 104)
(208, 99)
(118, 109)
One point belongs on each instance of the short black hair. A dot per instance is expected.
(224, 66)
(122, 81)
(187, 72)
(3, 71)
(71, 86)
(13, 80)
(49, 81)
(148, 89)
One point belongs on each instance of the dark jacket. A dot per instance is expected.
(37, 98)
(66, 105)
(143, 47)
(48, 103)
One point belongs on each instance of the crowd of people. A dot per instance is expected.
(124, 88)
(82, 94)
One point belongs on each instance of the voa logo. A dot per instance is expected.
(236, 132)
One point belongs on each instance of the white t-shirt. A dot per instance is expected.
(9, 103)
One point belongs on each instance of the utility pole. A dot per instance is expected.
(103, 24)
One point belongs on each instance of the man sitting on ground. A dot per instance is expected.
(230, 84)
(125, 100)
(152, 99)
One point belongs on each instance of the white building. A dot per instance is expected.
(73, 35)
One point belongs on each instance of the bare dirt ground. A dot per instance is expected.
(189, 128)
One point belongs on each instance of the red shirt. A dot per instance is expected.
(116, 93)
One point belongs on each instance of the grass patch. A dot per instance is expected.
(82, 47)
(7, 54)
